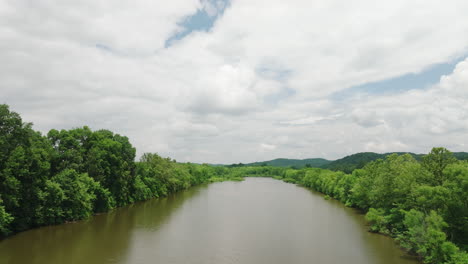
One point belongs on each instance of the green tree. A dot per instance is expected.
(51, 197)
(436, 161)
(142, 191)
(110, 161)
(378, 220)
(78, 195)
(456, 213)
(24, 168)
(70, 148)
(425, 236)
(385, 183)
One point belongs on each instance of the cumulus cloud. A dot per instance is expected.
(418, 119)
(255, 86)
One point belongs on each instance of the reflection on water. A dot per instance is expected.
(259, 220)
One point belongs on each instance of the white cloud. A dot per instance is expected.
(366, 118)
(331, 45)
(385, 146)
(140, 26)
(219, 96)
(423, 118)
(267, 147)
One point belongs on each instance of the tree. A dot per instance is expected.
(78, 196)
(436, 161)
(70, 148)
(425, 236)
(106, 157)
(456, 213)
(51, 197)
(378, 220)
(385, 183)
(110, 161)
(14, 138)
(24, 168)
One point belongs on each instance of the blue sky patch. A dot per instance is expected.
(411, 81)
(202, 20)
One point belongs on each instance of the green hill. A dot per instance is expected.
(346, 164)
(461, 155)
(359, 160)
(295, 163)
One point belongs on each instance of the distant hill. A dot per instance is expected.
(359, 160)
(346, 164)
(461, 155)
(295, 163)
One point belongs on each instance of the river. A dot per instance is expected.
(259, 220)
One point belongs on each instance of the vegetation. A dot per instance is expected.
(68, 175)
(424, 205)
(357, 161)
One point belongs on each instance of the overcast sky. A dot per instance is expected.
(242, 80)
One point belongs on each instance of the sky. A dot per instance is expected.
(229, 81)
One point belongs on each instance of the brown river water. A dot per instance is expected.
(259, 220)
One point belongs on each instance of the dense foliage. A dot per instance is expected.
(424, 205)
(69, 175)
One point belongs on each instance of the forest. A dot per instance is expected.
(69, 175)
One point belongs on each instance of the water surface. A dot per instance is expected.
(259, 220)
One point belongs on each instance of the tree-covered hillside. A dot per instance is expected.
(295, 163)
(357, 161)
(347, 164)
(461, 155)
